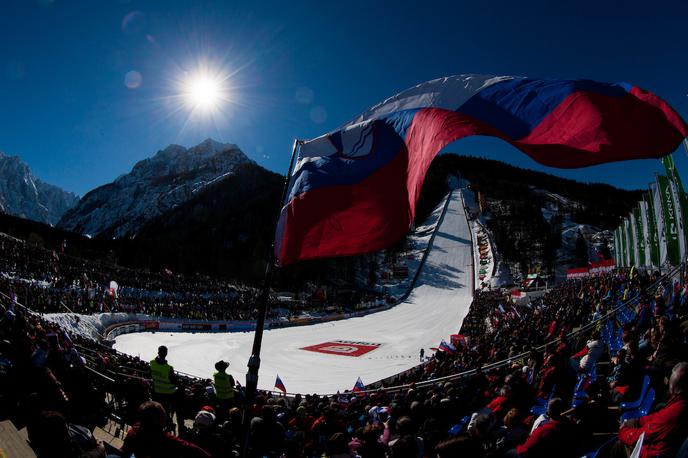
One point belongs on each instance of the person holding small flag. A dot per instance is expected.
(447, 347)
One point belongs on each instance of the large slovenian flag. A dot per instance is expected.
(355, 190)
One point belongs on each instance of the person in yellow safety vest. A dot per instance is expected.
(224, 385)
(164, 381)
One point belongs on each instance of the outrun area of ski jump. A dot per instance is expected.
(434, 310)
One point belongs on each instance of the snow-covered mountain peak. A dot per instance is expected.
(154, 185)
(23, 195)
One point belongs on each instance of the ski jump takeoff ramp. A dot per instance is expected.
(327, 357)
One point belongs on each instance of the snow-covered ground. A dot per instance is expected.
(418, 243)
(434, 310)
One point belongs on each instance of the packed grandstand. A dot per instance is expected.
(588, 367)
(49, 282)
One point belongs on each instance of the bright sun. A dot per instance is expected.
(204, 92)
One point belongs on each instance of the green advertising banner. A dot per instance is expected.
(670, 223)
(639, 237)
(659, 221)
(622, 245)
(680, 201)
(624, 241)
(633, 239)
(622, 260)
(630, 241)
(653, 236)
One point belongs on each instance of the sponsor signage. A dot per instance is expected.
(343, 348)
(196, 326)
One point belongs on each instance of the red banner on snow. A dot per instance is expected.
(343, 348)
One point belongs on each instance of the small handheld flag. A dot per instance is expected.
(447, 347)
(279, 385)
(359, 386)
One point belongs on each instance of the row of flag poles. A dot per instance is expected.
(654, 233)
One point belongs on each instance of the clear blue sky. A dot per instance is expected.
(298, 69)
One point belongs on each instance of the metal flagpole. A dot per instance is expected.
(254, 360)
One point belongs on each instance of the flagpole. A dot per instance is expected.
(254, 360)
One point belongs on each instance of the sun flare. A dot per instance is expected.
(204, 92)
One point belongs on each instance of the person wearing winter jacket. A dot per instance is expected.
(665, 429)
(586, 359)
(148, 437)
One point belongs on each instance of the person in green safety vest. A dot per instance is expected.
(224, 386)
(164, 381)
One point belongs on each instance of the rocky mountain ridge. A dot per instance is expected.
(154, 186)
(24, 195)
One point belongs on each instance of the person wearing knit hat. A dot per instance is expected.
(207, 434)
(204, 419)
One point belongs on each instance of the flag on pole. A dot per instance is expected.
(679, 198)
(645, 228)
(680, 218)
(279, 385)
(623, 241)
(670, 221)
(632, 245)
(661, 224)
(358, 386)
(355, 190)
(624, 238)
(622, 247)
(640, 236)
(672, 173)
(617, 248)
(653, 238)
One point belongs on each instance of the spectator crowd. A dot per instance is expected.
(49, 282)
(557, 392)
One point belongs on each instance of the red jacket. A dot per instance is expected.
(163, 445)
(664, 430)
(554, 438)
(499, 406)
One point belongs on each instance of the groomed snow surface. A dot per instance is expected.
(434, 310)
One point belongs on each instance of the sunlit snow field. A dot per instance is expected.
(434, 310)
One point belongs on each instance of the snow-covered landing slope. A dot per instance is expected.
(434, 310)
